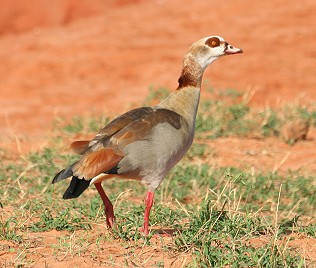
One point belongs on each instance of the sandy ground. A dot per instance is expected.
(100, 57)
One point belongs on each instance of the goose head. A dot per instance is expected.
(209, 49)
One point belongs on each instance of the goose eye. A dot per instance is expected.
(213, 42)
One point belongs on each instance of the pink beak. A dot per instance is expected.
(232, 50)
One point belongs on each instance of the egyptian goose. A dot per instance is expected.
(145, 143)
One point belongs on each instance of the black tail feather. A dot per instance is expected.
(64, 174)
(113, 170)
(76, 188)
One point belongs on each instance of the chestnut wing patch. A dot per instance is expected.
(79, 147)
(122, 121)
(95, 163)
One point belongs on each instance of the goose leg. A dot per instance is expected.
(149, 200)
(108, 207)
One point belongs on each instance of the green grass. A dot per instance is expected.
(214, 213)
(219, 239)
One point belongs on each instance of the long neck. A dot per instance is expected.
(192, 73)
(186, 98)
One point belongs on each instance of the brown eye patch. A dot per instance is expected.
(212, 42)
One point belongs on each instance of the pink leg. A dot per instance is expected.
(108, 207)
(149, 203)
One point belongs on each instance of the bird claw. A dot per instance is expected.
(110, 220)
(143, 231)
(110, 223)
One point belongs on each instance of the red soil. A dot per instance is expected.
(101, 58)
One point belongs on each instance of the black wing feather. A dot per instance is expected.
(76, 188)
(64, 174)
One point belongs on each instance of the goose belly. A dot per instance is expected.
(150, 159)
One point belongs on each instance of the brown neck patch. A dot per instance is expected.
(188, 80)
(192, 72)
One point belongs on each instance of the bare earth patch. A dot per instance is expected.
(268, 154)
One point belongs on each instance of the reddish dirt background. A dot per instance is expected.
(99, 57)
(65, 58)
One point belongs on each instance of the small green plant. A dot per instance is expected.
(198, 150)
(63, 221)
(9, 230)
(218, 239)
(80, 124)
